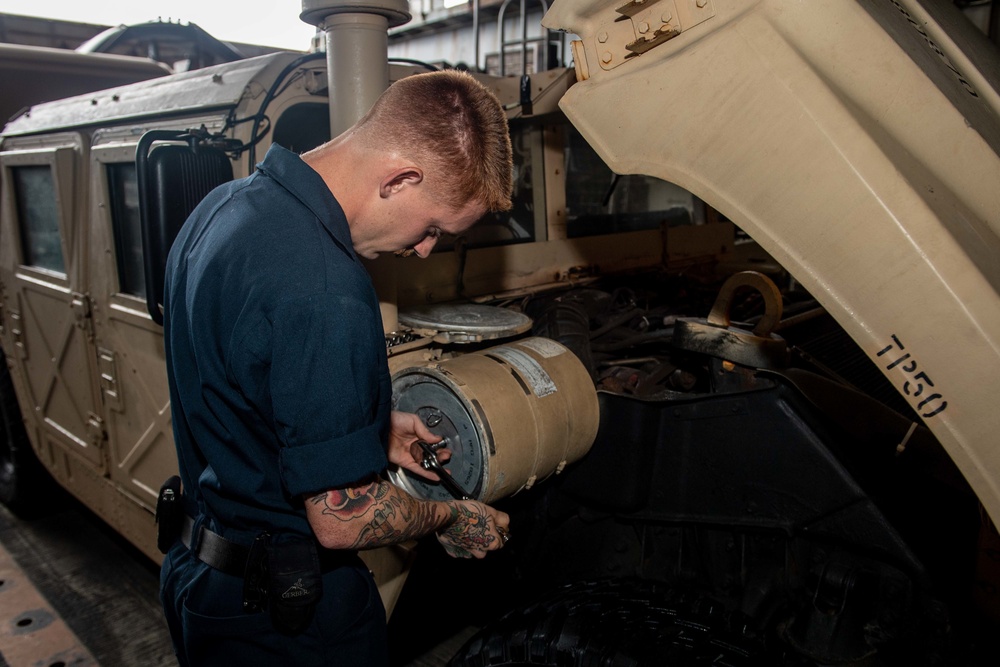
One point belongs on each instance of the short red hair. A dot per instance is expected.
(451, 122)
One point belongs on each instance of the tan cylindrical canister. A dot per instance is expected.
(512, 415)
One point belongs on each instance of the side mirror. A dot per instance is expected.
(173, 179)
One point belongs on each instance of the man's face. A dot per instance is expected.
(412, 221)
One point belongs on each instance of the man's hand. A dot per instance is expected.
(405, 429)
(476, 530)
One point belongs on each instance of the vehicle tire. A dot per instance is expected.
(614, 623)
(23, 481)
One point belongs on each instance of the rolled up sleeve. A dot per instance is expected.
(329, 392)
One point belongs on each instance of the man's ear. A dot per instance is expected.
(398, 179)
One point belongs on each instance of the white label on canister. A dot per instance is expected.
(546, 347)
(530, 370)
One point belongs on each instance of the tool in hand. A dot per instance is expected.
(431, 462)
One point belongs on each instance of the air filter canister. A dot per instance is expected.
(512, 415)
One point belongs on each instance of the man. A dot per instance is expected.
(279, 384)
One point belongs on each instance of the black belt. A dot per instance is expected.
(231, 557)
(215, 550)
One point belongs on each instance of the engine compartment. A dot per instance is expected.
(791, 490)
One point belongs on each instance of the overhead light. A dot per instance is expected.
(448, 4)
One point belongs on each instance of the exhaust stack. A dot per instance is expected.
(357, 51)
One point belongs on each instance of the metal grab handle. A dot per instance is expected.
(719, 316)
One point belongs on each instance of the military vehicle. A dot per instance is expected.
(768, 233)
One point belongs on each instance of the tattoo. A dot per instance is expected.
(389, 515)
(469, 531)
(351, 503)
(400, 518)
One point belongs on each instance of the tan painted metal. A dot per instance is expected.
(503, 268)
(858, 143)
(129, 351)
(53, 334)
(532, 404)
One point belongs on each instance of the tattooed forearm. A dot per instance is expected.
(374, 514)
(404, 518)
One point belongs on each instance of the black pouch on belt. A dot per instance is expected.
(295, 584)
(169, 514)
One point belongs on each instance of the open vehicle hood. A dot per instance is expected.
(856, 141)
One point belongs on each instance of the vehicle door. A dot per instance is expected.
(47, 310)
(129, 347)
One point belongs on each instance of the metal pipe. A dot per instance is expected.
(524, 38)
(357, 61)
(502, 36)
(475, 35)
(544, 39)
(800, 318)
(357, 49)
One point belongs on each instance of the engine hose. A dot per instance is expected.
(638, 339)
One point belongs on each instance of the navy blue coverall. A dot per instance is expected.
(279, 388)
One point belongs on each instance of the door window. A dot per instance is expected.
(124, 198)
(38, 217)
